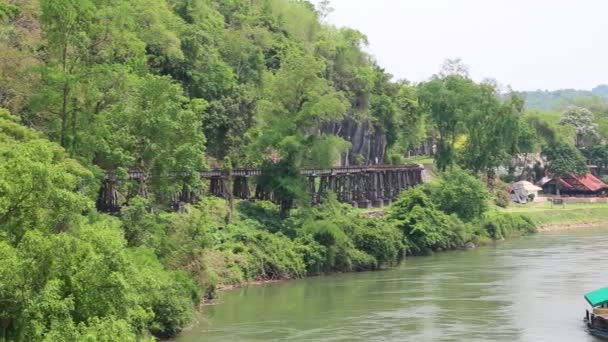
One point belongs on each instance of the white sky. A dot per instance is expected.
(528, 44)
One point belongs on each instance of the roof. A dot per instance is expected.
(526, 185)
(587, 182)
(590, 181)
(565, 184)
(597, 297)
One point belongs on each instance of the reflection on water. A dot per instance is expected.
(523, 290)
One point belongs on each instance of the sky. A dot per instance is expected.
(525, 44)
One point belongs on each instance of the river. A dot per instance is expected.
(529, 289)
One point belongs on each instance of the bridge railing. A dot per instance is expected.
(310, 171)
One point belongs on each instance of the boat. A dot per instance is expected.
(597, 319)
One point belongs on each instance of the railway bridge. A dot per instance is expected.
(361, 186)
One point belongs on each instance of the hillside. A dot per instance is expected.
(545, 100)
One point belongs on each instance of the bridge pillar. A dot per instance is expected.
(188, 195)
(217, 187)
(141, 189)
(342, 188)
(312, 190)
(377, 191)
(360, 190)
(107, 199)
(262, 194)
(323, 188)
(240, 187)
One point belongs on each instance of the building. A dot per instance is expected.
(587, 184)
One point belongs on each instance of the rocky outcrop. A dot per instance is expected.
(368, 142)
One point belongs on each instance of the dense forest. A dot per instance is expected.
(172, 87)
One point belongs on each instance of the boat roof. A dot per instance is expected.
(597, 297)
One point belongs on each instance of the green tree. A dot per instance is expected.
(491, 130)
(37, 183)
(563, 160)
(448, 100)
(66, 24)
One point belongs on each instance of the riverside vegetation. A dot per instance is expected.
(89, 88)
(70, 273)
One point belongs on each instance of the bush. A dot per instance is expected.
(502, 225)
(394, 158)
(502, 197)
(424, 226)
(459, 193)
(381, 240)
(141, 227)
(267, 214)
(313, 253)
(268, 256)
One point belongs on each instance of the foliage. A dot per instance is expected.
(545, 100)
(269, 256)
(459, 193)
(564, 159)
(166, 87)
(425, 227)
(471, 115)
(501, 225)
(501, 195)
(582, 120)
(492, 130)
(448, 100)
(37, 183)
(86, 283)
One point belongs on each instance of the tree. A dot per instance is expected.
(491, 130)
(297, 102)
(599, 156)
(564, 160)
(37, 183)
(448, 100)
(582, 119)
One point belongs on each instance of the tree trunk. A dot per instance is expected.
(557, 186)
(230, 199)
(523, 168)
(64, 114)
(64, 103)
(286, 205)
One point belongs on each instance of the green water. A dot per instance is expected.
(523, 290)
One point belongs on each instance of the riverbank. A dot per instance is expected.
(573, 216)
(465, 293)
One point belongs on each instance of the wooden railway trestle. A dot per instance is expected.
(363, 187)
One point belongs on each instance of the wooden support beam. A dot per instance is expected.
(240, 187)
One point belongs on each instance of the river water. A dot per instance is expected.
(529, 289)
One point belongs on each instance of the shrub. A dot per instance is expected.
(394, 158)
(459, 193)
(381, 240)
(141, 227)
(502, 225)
(269, 256)
(500, 193)
(266, 213)
(313, 254)
(360, 261)
(424, 226)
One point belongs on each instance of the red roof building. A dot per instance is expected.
(587, 184)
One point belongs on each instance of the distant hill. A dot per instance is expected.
(545, 100)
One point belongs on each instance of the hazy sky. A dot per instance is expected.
(528, 44)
